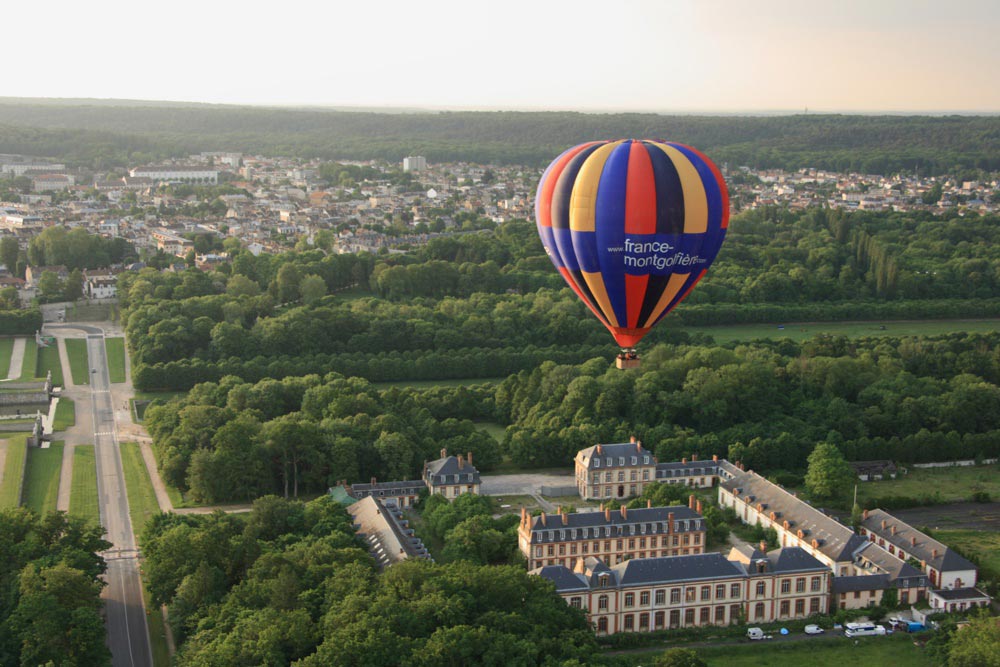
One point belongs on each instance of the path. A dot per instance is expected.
(3, 457)
(64, 362)
(82, 432)
(16, 358)
(162, 499)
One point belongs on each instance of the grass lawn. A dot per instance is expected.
(142, 503)
(48, 360)
(833, 652)
(13, 472)
(115, 348)
(6, 348)
(65, 415)
(430, 384)
(806, 330)
(79, 365)
(496, 430)
(30, 363)
(953, 484)
(41, 477)
(157, 632)
(91, 312)
(983, 544)
(83, 494)
(143, 399)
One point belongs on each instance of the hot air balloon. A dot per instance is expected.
(632, 226)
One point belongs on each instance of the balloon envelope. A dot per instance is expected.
(632, 226)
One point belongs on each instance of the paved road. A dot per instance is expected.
(128, 635)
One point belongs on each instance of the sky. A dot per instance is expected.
(622, 55)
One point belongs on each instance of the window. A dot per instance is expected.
(734, 590)
(661, 596)
(562, 549)
(706, 592)
(676, 541)
(659, 619)
(621, 475)
(857, 595)
(631, 543)
(786, 585)
(602, 603)
(645, 459)
(644, 620)
(720, 615)
(607, 462)
(814, 584)
(575, 602)
(800, 585)
(644, 598)
(621, 460)
(629, 622)
(607, 476)
(634, 460)
(633, 476)
(734, 612)
(689, 617)
(597, 463)
(607, 491)
(596, 478)
(720, 592)
(761, 588)
(645, 475)
(784, 608)
(675, 595)
(538, 552)
(630, 599)
(814, 606)
(551, 550)
(602, 624)
(800, 607)
(675, 618)
(690, 594)
(705, 615)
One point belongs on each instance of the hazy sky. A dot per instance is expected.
(707, 55)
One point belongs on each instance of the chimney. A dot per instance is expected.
(763, 546)
(607, 514)
(864, 515)
(913, 541)
(670, 522)
(543, 519)
(923, 565)
(581, 566)
(565, 518)
(524, 513)
(815, 544)
(684, 460)
(715, 457)
(444, 452)
(649, 504)
(598, 449)
(461, 462)
(892, 530)
(638, 447)
(373, 481)
(694, 457)
(632, 440)
(468, 457)
(691, 501)
(624, 512)
(883, 524)
(934, 553)
(697, 507)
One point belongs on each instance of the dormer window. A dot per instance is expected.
(645, 459)
(635, 459)
(597, 463)
(621, 460)
(607, 462)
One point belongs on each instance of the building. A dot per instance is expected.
(874, 471)
(387, 533)
(651, 594)
(958, 599)
(623, 470)
(49, 182)
(170, 243)
(403, 494)
(33, 274)
(944, 568)
(100, 285)
(798, 524)
(451, 476)
(613, 536)
(177, 174)
(414, 163)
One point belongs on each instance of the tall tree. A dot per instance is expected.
(828, 476)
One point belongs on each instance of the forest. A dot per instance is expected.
(103, 135)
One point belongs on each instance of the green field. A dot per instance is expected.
(496, 430)
(65, 415)
(30, 362)
(79, 364)
(983, 544)
(142, 503)
(143, 399)
(13, 472)
(952, 484)
(832, 652)
(92, 312)
(115, 348)
(48, 360)
(805, 330)
(6, 348)
(428, 384)
(41, 477)
(83, 494)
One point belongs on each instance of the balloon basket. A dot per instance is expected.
(626, 362)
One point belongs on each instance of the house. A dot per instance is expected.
(874, 471)
(798, 524)
(100, 285)
(650, 594)
(612, 535)
(403, 494)
(389, 537)
(451, 476)
(958, 599)
(944, 568)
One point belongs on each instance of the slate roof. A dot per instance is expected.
(669, 569)
(953, 594)
(793, 559)
(565, 579)
(836, 541)
(405, 485)
(615, 451)
(865, 582)
(638, 522)
(389, 538)
(900, 573)
(444, 470)
(946, 561)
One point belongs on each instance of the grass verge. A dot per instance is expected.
(83, 494)
(41, 477)
(142, 503)
(48, 360)
(65, 415)
(157, 631)
(6, 349)
(13, 471)
(30, 363)
(79, 365)
(982, 545)
(115, 348)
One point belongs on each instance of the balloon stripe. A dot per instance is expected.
(674, 285)
(669, 194)
(583, 201)
(610, 219)
(640, 195)
(571, 281)
(635, 290)
(692, 283)
(695, 198)
(719, 181)
(546, 186)
(596, 283)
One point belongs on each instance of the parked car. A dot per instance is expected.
(757, 633)
(814, 630)
(863, 629)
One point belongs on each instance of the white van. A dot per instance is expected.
(756, 633)
(863, 629)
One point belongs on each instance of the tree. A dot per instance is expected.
(74, 286)
(977, 644)
(312, 288)
(828, 476)
(49, 286)
(8, 252)
(679, 657)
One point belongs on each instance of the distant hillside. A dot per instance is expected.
(97, 132)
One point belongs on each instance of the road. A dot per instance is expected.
(125, 615)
